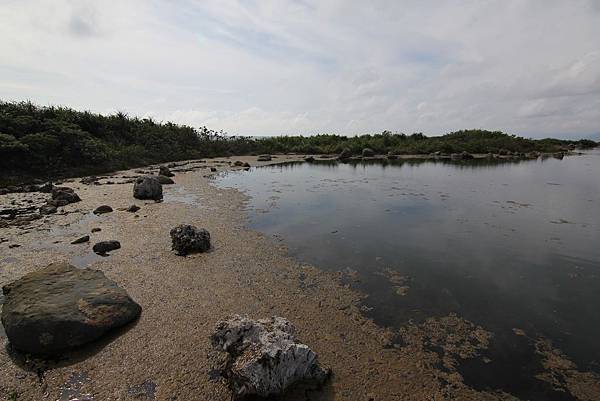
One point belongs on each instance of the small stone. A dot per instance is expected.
(103, 209)
(164, 180)
(81, 240)
(96, 229)
(264, 158)
(47, 209)
(102, 247)
(213, 169)
(133, 208)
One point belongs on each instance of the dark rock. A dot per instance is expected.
(246, 165)
(187, 238)
(3, 191)
(102, 247)
(164, 180)
(89, 180)
(265, 357)
(264, 158)
(103, 209)
(392, 156)
(81, 240)
(133, 208)
(213, 169)
(309, 159)
(461, 156)
(147, 187)
(238, 163)
(62, 307)
(164, 170)
(47, 209)
(64, 194)
(57, 202)
(96, 229)
(46, 188)
(367, 152)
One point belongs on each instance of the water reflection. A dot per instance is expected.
(510, 245)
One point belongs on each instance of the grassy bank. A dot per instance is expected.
(46, 142)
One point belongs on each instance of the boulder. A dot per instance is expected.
(367, 152)
(187, 238)
(102, 247)
(164, 170)
(64, 194)
(147, 187)
(264, 357)
(164, 180)
(264, 158)
(346, 154)
(61, 307)
(103, 209)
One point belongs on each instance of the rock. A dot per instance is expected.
(213, 169)
(346, 154)
(164, 170)
(309, 159)
(4, 191)
(391, 156)
(103, 209)
(264, 356)
(264, 158)
(147, 187)
(57, 202)
(238, 163)
(187, 238)
(164, 180)
(64, 194)
(367, 152)
(61, 307)
(47, 209)
(89, 180)
(46, 188)
(81, 240)
(102, 247)
(461, 156)
(133, 208)
(96, 229)
(246, 165)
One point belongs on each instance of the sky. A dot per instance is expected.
(528, 67)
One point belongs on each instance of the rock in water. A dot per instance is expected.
(264, 356)
(164, 170)
(367, 152)
(102, 247)
(264, 158)
(103, 209)
(147, 187)
(62, 307)
(187, 238)
(64, 195)
(346, 154)
(164, 180)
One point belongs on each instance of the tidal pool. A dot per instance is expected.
(513, 246)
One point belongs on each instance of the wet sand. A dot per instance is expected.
(166, 354)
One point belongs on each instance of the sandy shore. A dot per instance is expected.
(166, 355)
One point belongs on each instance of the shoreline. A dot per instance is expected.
(166, 354)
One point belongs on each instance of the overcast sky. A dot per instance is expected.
(303, 67)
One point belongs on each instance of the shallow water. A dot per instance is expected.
(506, 245)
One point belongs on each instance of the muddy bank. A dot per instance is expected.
(166, 354)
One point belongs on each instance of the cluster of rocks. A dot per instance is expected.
(37, 187)
(368, 153)
(264, 356)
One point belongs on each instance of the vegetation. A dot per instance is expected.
(57, 141)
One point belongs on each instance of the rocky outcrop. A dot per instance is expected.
(367, 152)
(103, 209)
(63, 196)
(62, 307)
(187, 239)
(264, 357)
(103, 247)
(264, 158)
(147, 187)
(164, 170)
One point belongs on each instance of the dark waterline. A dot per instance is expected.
(510, 245)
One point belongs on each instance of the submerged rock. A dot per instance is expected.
(64, 195)
(164, 170)
(62, 307)
(164, 180)
(102, 247)
(147, 187)
(187, 238)
(264, 158)
(103, 209)
(264, 356)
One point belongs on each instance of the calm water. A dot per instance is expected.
(505, 245)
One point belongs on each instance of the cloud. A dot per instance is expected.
(289, 67)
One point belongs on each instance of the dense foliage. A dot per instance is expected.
(50, 141)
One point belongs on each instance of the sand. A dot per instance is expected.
(166, 354)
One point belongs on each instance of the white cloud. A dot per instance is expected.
(275, 67)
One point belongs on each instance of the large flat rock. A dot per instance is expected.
(61, 307)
